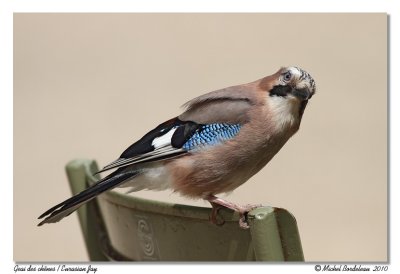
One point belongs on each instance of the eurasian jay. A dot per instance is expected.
(221, 140)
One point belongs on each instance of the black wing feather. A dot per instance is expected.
(183, 133)
(143, 150)
(144, 144)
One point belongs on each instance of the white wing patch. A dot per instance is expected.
(164, 140)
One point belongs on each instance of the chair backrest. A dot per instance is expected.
(124, 227)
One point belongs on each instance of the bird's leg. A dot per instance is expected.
(214, 214)
(216, 203)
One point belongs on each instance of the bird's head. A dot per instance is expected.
(293, 83)
(287, 93)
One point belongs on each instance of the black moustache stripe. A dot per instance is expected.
(280, 90)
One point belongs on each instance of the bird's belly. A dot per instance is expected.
(198, 178)
(212, 173)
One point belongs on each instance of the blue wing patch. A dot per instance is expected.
(186, 136)
(211, 134)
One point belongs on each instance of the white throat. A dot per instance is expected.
(285, 111)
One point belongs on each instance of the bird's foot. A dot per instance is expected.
(243, 211)
(214, 215)
(217, 203)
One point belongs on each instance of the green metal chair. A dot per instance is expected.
(121, 227)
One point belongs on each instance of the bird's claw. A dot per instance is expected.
(217, 203)
(243, 224)
(214, 215)
(243, 211)
(216, 219)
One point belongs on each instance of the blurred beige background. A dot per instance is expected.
(88, 85)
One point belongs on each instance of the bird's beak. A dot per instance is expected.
(302, 93)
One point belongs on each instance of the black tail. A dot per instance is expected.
(63, 209)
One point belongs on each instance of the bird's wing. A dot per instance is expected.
(160, 143)
(208, 119)
(174, 138)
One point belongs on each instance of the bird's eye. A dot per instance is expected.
(287, 76)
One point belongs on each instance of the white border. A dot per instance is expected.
(203, 6)
(6, 104)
